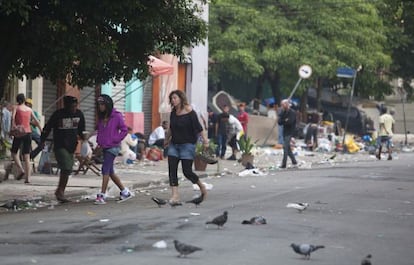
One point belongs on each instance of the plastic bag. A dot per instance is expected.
(44, 162)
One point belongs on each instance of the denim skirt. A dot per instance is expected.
(182, 151)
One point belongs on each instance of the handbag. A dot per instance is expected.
(17, 131)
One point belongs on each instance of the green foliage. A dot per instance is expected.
(200, 149)
(246, 145)
(269, 40)
(94, 40)
(399, 19)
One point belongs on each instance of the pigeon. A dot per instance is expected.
(184, 249)
(300, 206)
(305, 249)
(159, 201)
(219, 220)
(367, 260)
(257, 220)
(197, 200)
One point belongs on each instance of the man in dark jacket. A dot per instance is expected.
(67, 123)
(287, 118)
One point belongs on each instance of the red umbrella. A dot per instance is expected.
(159, 67)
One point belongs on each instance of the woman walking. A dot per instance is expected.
(181, 138)
(111, 130)
(21, 117)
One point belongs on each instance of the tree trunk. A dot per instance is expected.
(318, 94)
(303, 104)
(274, 80)
(259, 93)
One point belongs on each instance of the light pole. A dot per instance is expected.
(403, 95)
(348, 73)
(305, 71)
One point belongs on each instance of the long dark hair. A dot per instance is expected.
(109, 105)
(181, 95)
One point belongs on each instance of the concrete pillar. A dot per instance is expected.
(37, 97)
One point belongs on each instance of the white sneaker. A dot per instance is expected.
(125, 195)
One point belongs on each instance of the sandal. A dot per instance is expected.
(174, 203)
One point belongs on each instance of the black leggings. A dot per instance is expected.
(187, 165)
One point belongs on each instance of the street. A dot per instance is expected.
(356, 208)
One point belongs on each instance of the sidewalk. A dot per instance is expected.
(145, 174)
(43, 186)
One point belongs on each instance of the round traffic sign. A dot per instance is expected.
(305, 71)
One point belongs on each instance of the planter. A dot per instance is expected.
(247, 158)
(199, 164)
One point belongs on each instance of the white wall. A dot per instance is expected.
(198, 79)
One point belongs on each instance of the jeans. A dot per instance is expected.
(280, 134)
(221, 145)
(38, 149)
(287, 151)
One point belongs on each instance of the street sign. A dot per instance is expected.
(305, 71)
(345, 72)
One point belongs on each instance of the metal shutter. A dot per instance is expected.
(88, 107)
(147, 105)
(49, 98)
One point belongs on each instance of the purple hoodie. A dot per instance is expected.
(112, 133)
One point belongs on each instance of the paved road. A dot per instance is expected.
(355, 209)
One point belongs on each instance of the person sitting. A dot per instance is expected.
(157, 137)
(130, 140)
(140, 148)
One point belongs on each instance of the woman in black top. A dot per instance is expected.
(181, 138)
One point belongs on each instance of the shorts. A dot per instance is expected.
(233, 142)
(384, 139)
(64, 160)
(182, 151)
(25, 141)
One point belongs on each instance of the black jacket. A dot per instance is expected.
(288, 120)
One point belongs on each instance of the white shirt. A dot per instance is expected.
(158, 133)
(386, 121)
(235, 125)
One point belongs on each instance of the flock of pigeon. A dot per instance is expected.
(304, 250)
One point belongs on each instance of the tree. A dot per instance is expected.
(399, 18)
(269, 40)
(95, 40)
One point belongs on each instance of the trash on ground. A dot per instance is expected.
(160, 244)
(207, 185)
(251, 172)
(195, 214)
